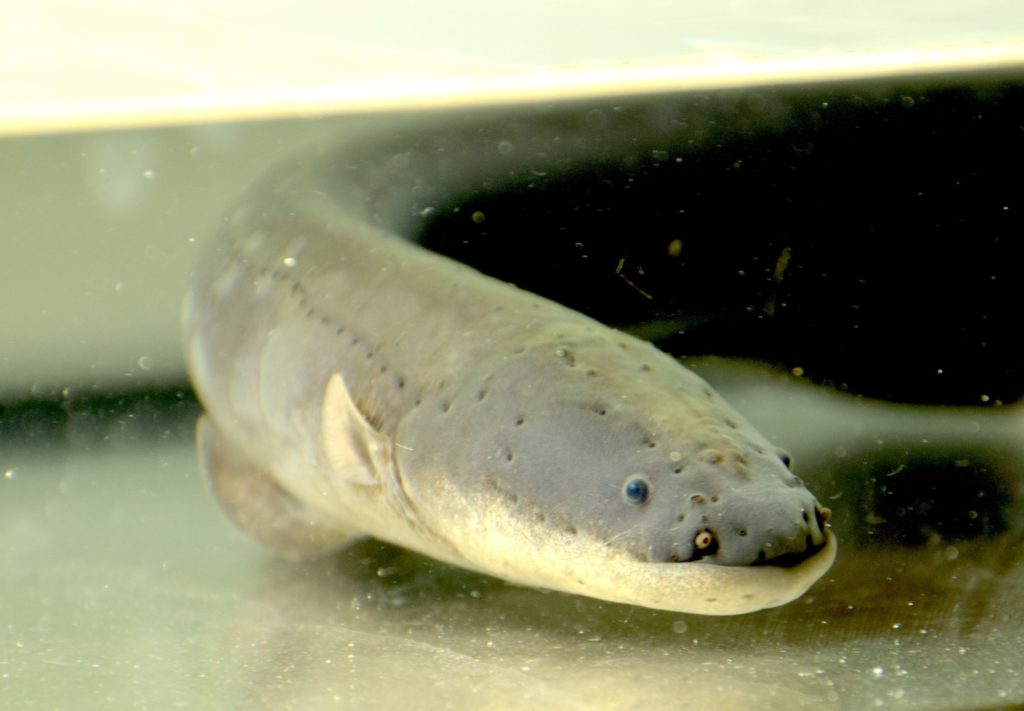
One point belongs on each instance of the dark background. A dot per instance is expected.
(867, 233)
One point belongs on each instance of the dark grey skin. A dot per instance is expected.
(356, 384)
(616, 413)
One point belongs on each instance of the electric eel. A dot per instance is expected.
(355, 383)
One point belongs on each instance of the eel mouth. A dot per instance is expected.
(792, 559)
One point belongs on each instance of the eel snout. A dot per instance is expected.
(751, 531)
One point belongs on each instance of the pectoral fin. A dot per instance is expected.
(356, 451)
(259, 506)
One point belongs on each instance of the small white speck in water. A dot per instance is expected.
(878, 672)
(10, 474)
(680, 626)
(289, 261)
(145, 362)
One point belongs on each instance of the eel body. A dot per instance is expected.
(357, 384)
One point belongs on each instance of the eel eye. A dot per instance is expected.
(636, 490)
(786, 459)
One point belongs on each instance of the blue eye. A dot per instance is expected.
(636, 490)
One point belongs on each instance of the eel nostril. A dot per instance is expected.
(705, 543)
(822, 514)
(703, 539)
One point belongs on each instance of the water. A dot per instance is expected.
(804, 228)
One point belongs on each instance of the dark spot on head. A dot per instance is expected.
(340, 330)
(541, 517)
(636, 490)
(383, 369)
(600, 409)
(567, 357)
(571, 530)
(697, 499)
(509, 455)
(646, 368)
(731, 424)
(681, 517)
(310, 312)
(355, 340)
(623, 345)
(324, 321)
(520, 421)
(445, 406)
(591, 372)
(678, 470)
(709, 393)
(481, 394)
(714, 499)
(399, 383)
(742, 532)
